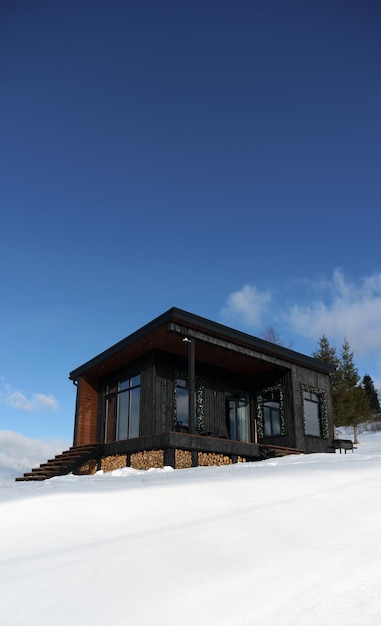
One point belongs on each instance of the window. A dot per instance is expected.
(272, 424)
(237, 415)
(123, 409)
(270, 412)
(181, 404)
(312, 414)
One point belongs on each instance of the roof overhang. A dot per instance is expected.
(216, 344)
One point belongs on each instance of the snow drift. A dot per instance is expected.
(288, 541)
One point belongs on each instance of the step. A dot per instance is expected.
(29, 478)
(61, 464)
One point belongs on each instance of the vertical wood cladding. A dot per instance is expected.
(158, 370)
(288, 438)
(86, 427)
(166, 368)
(302, 376)
(146, 368)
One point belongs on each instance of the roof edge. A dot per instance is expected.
(181, 315)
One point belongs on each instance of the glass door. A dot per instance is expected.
(122, 409)
(237, 416)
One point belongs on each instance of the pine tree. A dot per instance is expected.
(371, 393)
(351, 404)
(327, 353)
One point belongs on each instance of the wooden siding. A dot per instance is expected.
(146, 367)
(165, 366)
(288, 439)
(302, 376)
(86, 418)
(158, 371)
(183, 441)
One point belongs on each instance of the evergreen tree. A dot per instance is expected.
(326, 353)
(371, 393)
(351, 404)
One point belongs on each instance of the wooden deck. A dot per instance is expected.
(168, 442)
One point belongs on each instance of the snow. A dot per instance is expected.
(286, 541)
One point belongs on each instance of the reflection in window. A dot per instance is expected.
(272, 424)
(181, 404)
(312, 414)
(123, 409)
(237, 415)
(270, 412)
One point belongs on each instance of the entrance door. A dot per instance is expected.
(122, 410)
(237, 416)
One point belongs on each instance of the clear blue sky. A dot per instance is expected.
(221, 157)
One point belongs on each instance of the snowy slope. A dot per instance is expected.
(290, 541)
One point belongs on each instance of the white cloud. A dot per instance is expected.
(336, 307)
(343, 309)
(19, 454)
(37, 401)
(248, 305)
(19, 400)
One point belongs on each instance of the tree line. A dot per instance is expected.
(353, 400)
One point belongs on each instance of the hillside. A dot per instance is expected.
(288, 541)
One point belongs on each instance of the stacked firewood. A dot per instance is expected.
(147, 458)
(211, 458)
(183, 459)
(112, 462)
(90, 467)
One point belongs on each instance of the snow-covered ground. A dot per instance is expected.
(294, 541)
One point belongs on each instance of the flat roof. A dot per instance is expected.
(161, 340)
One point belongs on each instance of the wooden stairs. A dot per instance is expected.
(63, 463)
(70, 460)
(271, 452)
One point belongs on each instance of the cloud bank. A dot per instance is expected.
(248, 305)
(18, 453)
(18, 400)
(342, 309)
(336, 307)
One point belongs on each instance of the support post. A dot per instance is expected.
(191, 386)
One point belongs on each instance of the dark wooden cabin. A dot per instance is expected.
(248, 398)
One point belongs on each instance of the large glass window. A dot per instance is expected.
(312, 414)
(237, 415)
(123, 409)
(272, 424)
(270, 412)
(181, 404)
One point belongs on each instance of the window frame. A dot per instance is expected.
(241, 427)
(321, 402)
(115, 392)
(260, 411)
(268, 399)
(199, 402)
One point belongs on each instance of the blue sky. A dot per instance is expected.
(221, 157)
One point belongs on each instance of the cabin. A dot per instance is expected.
(184, 391)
